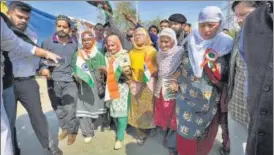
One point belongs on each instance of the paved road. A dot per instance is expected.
(102, 143)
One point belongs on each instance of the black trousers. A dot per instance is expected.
(63, 96)
(26, 91)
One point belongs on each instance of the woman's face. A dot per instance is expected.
(209, 30)
(87, 43)
(166, 43)
(139, 38)
(112, 47)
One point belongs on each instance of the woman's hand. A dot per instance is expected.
(103, 69)
(128, 72)
(174, 87)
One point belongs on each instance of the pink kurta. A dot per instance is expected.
(164, 113)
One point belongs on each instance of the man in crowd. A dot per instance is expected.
(125, 37)
(258, 49)
(74, 34)
(99, 36)
(26, 90)
(8, 42)
(188, 28)
(152, 30)
(164, 24)
(178, 23)
(237, 106)
(62, 91)
(107, 30)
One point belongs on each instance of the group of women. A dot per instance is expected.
(175, 90)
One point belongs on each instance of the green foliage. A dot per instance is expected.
(100, 16)
(121, 7)
(155, 22)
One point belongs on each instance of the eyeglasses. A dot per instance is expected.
(129, 36)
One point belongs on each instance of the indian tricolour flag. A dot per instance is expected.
(82, 71)
(147, 74)
(112, 89)
(148, 69)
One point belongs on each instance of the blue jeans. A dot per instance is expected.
(238, 136)
(10, 105)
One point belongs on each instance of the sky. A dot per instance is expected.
(147, 9)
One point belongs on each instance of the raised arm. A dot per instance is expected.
(11, 43)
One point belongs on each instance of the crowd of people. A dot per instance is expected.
(176, 81)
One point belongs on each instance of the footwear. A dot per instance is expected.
(141, 142)
(55, 151)
(118, 145)
(63, 135)
(71, 139)
(173, 153)
(165, 143)
(224, 152)
(87, 140)
(152, 132)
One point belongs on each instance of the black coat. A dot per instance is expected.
(258, 48)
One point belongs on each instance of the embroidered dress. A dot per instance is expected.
(197, 106)
(119, 106)
(90, 102)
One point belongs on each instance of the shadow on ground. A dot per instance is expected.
(28, 143)
(102, 144)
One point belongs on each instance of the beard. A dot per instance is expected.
(62, 34)
(22, 27)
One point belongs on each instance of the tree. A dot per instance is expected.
(119, 19)
(124, 7)
(100, 16)
(155, 22)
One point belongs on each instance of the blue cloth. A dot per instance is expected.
(241, 46)
(196, 103)
(42, 23)
(10, 105)
(153, 37)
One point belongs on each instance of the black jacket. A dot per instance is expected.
(258, 48)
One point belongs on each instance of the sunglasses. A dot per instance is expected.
(129, 36)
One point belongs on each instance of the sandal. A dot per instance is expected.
(141, 142)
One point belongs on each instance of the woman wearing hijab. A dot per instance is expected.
(88, 64)
(168, 60)
(117, 89)
(200, 83)
(143, 63)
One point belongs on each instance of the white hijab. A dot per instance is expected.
(221, 43)
(168, 61)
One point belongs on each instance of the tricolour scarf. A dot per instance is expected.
(221, 43)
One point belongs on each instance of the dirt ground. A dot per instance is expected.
(102, 143)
